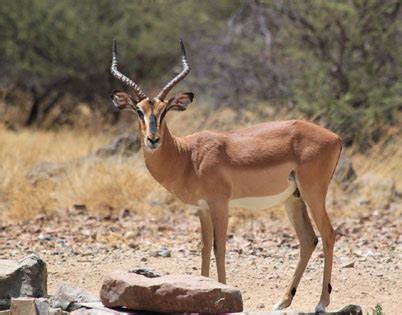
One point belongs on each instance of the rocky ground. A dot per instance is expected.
(81, 248)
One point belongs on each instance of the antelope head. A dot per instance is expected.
(151, 111)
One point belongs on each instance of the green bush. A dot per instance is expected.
(347, 61)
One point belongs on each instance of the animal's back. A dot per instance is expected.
(276, 142)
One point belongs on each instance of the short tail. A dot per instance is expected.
(339, 156)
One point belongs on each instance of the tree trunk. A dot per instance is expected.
(38, 99)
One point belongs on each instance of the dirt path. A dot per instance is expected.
(80, 249)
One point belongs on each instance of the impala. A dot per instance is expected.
(290, 162)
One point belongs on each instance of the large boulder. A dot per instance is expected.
(169, 294)
(26, 277)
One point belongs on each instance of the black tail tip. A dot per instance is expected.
(183, 50)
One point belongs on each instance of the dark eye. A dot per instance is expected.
(140, 114)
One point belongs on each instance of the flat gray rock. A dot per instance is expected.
(169, 294)
(26, 277)
(68, 298)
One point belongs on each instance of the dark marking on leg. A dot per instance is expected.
(329, 288)
(316, 242)
(293, 291)
(292, 176)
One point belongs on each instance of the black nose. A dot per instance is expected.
(153, 141)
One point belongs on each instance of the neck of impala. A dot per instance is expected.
(169, 160)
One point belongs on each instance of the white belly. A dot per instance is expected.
(258, 203)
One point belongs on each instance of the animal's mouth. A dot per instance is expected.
(151, 145)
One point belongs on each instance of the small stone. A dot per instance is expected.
(351, 309)
(55, 311)
(23, 306)
(261, 305)
(42, 306)
(145, 272)
(164, 252)
(124, 214)
(129, 235)
(80, 208)
(66, 297)
(349, 265)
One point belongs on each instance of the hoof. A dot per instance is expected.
(280, 305)
(320, 308)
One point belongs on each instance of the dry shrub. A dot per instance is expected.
(20, 196)
(384, 159)
(103, 185)
(26, 199)
(109, 185)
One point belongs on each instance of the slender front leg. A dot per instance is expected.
(219, 215)
(207, 234)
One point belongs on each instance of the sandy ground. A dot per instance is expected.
(81, 248)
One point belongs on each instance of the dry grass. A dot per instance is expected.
(113, 184)
(100, 184)
(385, 160)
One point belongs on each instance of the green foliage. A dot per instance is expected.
(347, 57)
(42, 40)
(377, 310)
(52, 48)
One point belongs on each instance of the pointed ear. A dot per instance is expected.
(123, 101)
(180, 102)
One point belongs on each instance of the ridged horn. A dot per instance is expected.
(186, 69)
(118, 75)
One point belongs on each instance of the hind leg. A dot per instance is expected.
(328, 237)
(314, 196)
(297, 213)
